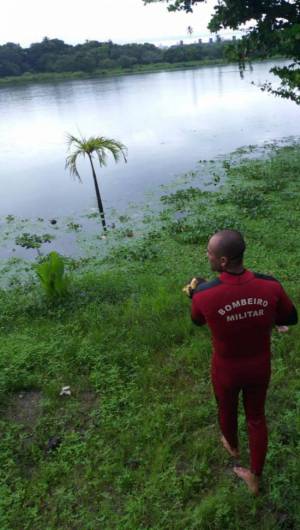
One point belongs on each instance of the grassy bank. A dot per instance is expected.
(135, 446)
(137, 69)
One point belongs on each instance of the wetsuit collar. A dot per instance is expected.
(236, 278)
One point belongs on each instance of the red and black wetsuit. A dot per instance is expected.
(240, 310)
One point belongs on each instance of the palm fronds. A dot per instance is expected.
(71, 162)
(98, 145)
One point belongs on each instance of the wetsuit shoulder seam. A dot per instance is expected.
(260, 276)
(208, 285)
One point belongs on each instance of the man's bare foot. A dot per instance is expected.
(233, 452)
(282, 329)
(251, 480)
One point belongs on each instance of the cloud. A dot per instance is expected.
(75, 21)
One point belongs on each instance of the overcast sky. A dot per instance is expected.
(74, 21)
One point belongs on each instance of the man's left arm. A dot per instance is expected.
(286, 312)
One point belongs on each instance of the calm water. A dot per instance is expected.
(168, 121)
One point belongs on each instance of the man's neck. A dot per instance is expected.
(235, 270)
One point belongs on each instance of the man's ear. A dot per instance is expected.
(223, 262)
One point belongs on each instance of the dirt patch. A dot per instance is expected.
(76, 410)
(88, 400)
(25, 408)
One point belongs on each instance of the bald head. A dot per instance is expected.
(225, 250)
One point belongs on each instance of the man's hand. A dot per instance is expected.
(190, 288)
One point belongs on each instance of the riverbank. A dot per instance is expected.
(136, 444)
(112, 72)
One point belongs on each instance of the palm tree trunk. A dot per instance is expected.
(100, 205)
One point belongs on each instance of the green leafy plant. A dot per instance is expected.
(52, 276)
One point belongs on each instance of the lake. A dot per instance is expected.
(168, 121)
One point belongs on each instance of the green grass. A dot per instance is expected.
(139, 445)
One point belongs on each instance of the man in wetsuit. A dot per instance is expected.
(240, 308)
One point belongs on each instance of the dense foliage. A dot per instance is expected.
(271, 24)
(54, 55)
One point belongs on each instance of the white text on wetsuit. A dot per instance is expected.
(242, 303)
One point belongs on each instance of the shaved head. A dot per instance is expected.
(229, 243)
(226, 249)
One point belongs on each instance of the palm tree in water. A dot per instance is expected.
(95, 147)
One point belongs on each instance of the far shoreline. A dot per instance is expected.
(140, 69)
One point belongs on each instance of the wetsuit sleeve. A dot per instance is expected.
(196, 313)
(286, 313)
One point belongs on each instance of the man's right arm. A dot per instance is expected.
(196, 314)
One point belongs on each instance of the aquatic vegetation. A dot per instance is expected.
(27, 240)
(74, 226)
(10, 218)
(181, 197)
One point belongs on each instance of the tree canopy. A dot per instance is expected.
(269, 24)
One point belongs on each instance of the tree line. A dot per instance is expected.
(54, 55)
